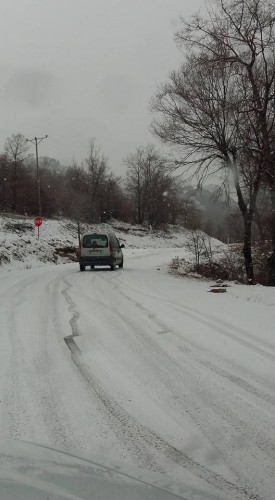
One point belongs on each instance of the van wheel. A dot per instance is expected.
(113, 267)
(82, 268)
(92, 267)
(121, 264)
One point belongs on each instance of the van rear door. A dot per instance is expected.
(95, 245)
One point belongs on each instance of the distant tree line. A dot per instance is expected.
(90, 192)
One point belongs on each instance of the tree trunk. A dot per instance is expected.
(247, 214)
(247, 218)
(271, 258)
(14, 187)
(260, 226)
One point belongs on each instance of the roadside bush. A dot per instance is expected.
(228, 266)
(232, 263)
(261, 255)
(4, 259)
(18, 227)
(214, 271)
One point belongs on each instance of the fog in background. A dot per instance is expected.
(77, 69)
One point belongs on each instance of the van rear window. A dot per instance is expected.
(95, 241)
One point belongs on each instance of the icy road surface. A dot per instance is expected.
(140, 367)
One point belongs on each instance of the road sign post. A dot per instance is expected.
(37, 223)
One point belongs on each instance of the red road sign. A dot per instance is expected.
(37, 221)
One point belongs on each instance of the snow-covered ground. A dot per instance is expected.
(140, 367)
(21, 248)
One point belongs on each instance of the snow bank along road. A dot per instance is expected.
(137, 366)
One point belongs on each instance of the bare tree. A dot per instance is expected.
(135, 181)
(151, 186)
(202, 113)
(92, 193)
(113, 198)
(4, 183)
(199, 245)
(16, 150)
(245, 31)
(97, 169)
(219, 106)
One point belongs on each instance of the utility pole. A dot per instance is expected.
(36, 141)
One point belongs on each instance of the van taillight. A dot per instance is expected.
(111, 247)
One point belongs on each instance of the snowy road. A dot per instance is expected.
(137, 366)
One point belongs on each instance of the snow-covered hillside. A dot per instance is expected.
(21, 248)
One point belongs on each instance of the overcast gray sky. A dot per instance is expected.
(77, 69)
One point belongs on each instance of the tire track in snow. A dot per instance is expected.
(77, 437)
(228, 332)
(140, 438)
(16, 417)
(72, 310)
(210, 321)
(246, 386)
(143, 439)
(234, 379)
(52, 410)
(32, 407)
(126, 438)
(226, 415)
(223, 373)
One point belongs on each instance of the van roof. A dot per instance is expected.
(92, 233)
